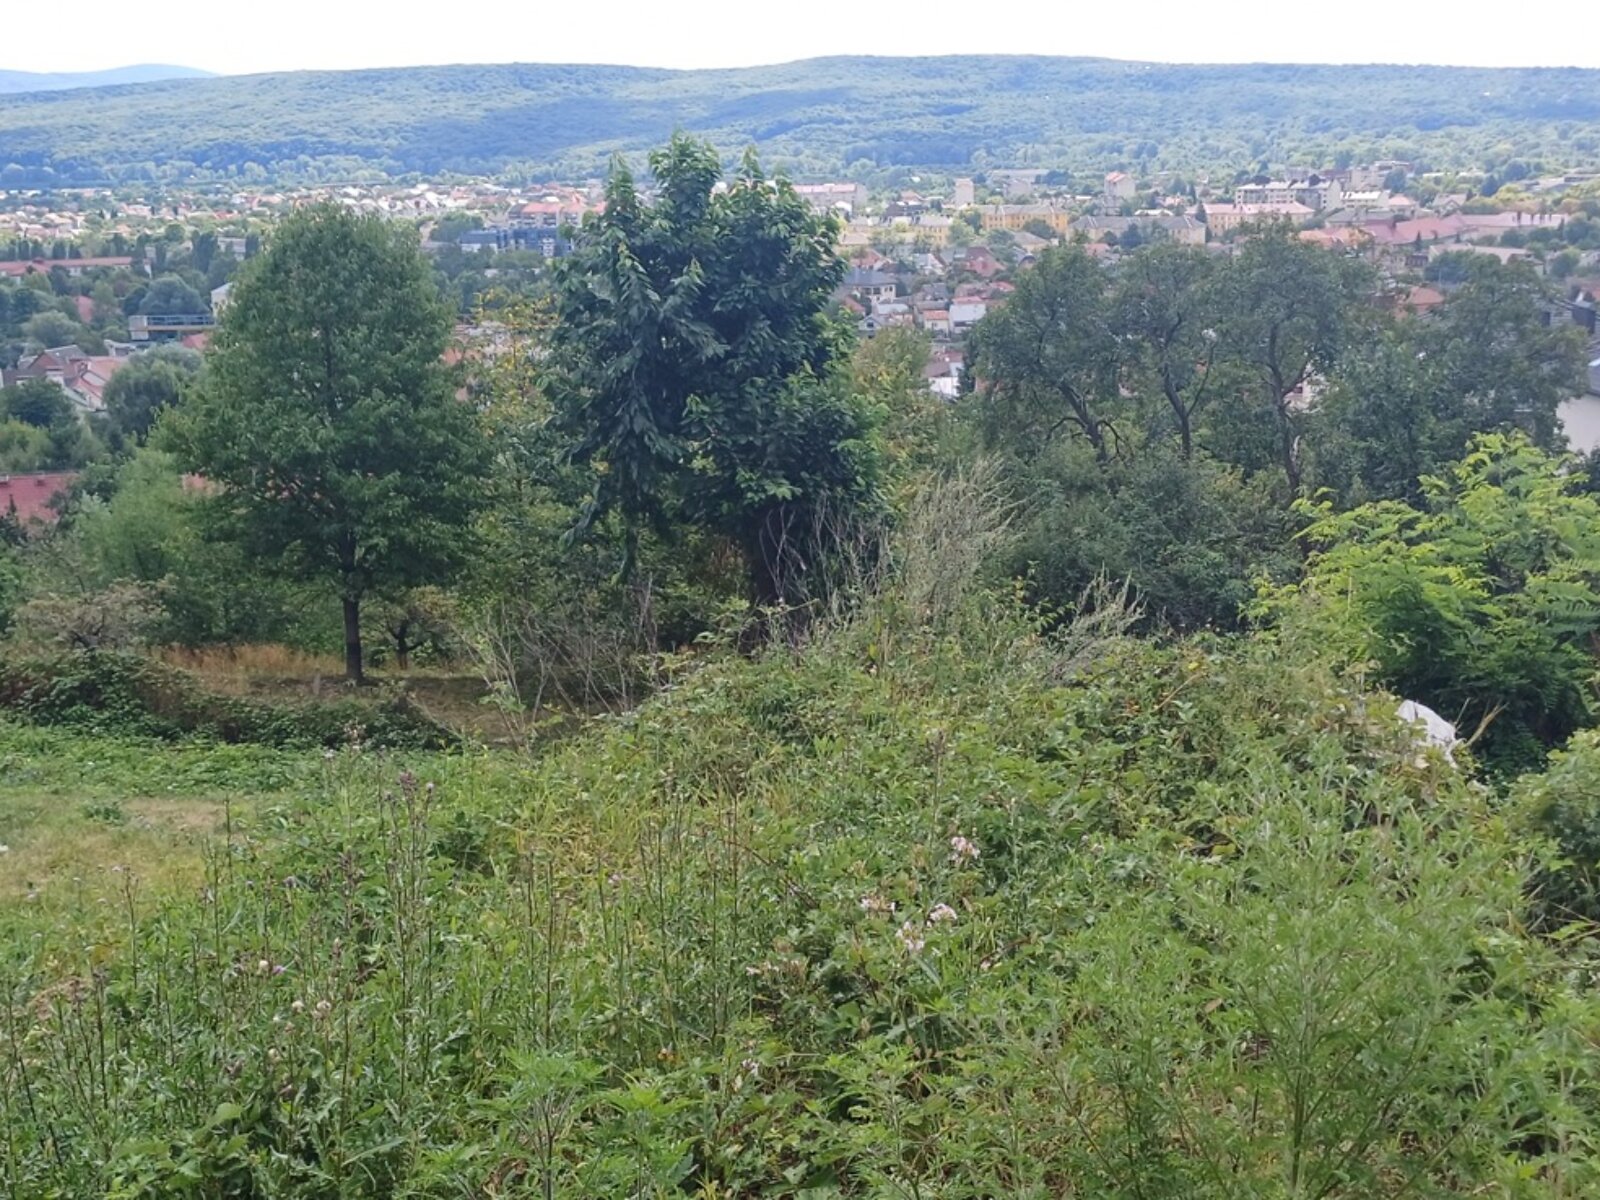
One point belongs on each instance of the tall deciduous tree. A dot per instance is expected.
(171, 295)
(1291, 310)
(694, 367)
(144, 387)
(1047, 360)
(1409, 402)
(328, 419)
(1166, 321)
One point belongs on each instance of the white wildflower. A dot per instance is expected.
(964, 850)
(910, 935)
(941, 913)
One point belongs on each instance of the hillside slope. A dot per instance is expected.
(819, 116)
(956, 910)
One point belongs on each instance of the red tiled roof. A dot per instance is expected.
(1429, 229)
(15, 270)
(1420, 299)
(29, 496)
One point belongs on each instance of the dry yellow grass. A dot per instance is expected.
(264, 659)
(79, 858)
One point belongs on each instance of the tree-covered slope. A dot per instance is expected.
(54, 81)
(821, 115)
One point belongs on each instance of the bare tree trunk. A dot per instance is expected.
(1287, 448)
(1181, 414)
(352, 640)
(402, 646)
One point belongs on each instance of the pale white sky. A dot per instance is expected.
(295, 34)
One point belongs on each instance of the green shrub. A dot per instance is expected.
(1563, 805)
(131, 696)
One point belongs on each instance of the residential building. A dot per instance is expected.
(833, 197)
(476, 241)
(967, 312)
(1315, 193)
(72, 266)
(868, 285)
(31, 498)
(47, 364)
(168, 327)
(1184, 229)
(1017, 182)
(932, 228)
(979, 260)
(1225, 218)
(85, 380)
(965, 194)
(1371, 178)
(1017, 216)
(1118, 188)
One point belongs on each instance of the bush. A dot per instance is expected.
(131, 696)
(1563, 806)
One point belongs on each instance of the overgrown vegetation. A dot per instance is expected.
(1040, 821)
(946, 905)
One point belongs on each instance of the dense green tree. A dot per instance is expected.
(1165, 309)
(171, 295)
(328, 420)
(23, 447)
(695, 370)
(1408, 401)
(1386, 422)
(37, 402)
(1047, 360)
(1191, 538)
(1291, 308)
(144, 387)
(1496, 344)
(49, 329)
(203, 250)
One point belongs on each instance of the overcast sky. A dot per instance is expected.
(298, 34)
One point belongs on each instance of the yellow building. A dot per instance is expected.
(1017, 216)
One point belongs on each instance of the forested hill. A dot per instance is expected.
(820, 116)
(33, 81)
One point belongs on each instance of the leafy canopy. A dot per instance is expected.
(695, 370)
(1481, 603)
(328, 419)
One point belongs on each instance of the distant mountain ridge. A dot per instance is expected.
(817, 117)
(14, 82)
